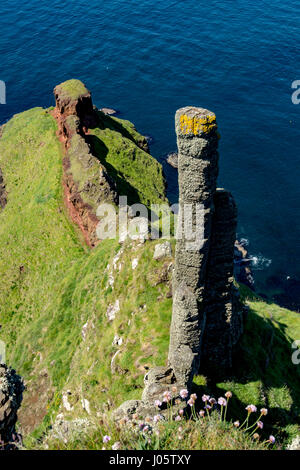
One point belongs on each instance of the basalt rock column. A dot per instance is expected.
(223, 311)
(197, 141)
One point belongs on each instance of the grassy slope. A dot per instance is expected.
(51, 287)
(136, 174)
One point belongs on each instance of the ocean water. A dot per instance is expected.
(147, 58)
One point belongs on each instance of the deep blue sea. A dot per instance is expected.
(147, 58)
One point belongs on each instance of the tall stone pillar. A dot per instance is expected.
(197, 141)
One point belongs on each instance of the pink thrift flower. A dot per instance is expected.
(264, 411)
(272, 439)
(181, 412)
(194, 396)
(202, 413)
(157, 403)
(236, 424)
(167, 396)
(106, 439)
(228, 394)
(222, 401)
(184, 393)
(205, 398)
(260, 424)
(191, 402)
(178, 418)
(251, 408)
(157, 418)
(212, 401)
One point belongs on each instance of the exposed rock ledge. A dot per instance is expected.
(11, 394)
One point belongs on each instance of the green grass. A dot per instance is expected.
(203, 434)
(72, 89)
(136, 173)
(52, 286)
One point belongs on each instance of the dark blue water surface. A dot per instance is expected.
(147, 58)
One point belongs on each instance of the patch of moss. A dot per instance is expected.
(72, 89)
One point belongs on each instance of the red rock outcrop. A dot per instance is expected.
(91, 185)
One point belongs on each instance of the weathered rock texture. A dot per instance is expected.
(197, 141)
(207, 315)
(207, 318)
(86, 182)
(3, 194)
(11, 394)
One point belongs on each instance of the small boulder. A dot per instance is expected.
(162, 250)
(172, 159)
(112, 310)
(109, 111)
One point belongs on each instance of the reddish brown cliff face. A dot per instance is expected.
(75, 114)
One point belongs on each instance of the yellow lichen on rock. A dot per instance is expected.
(195, 125)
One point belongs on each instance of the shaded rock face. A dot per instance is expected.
(242, 265)
(223, 313)
(74, 104)
(85, 180)
(3, 194)
(11, 394)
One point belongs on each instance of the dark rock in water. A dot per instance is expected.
(149, 139)
(242, 265)
(11, 395)
(109, 111)
(172, 159)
